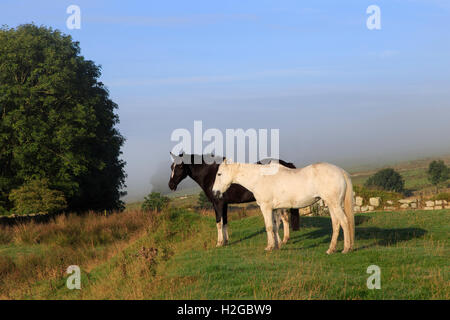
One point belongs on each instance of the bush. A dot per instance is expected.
(442, 196)
(3, 210)
(203, 201)
(155, 201)
(386, 179)
(36, 196)
(366, 194)
(438, 172)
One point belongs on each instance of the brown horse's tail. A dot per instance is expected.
(348, 207)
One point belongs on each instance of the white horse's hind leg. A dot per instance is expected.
(285, 218)
(334, 237)
(276, 225)
(268, 220)
(342, 218)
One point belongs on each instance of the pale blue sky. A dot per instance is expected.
(338, 91)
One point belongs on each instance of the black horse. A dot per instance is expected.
(204, 173)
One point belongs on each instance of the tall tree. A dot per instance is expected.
(57, 120)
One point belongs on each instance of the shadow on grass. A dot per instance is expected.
(306, 222)
(325, 222)
(387, 237)
(380, 236)
(254, 234)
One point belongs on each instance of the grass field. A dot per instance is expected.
(173, 256)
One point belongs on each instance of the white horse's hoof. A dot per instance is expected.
(285, 241)
(269, 248)
(329, 251)
(219, 244)
(346, 250)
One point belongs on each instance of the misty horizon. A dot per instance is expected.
(338, 91)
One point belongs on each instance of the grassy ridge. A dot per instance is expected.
(31, 253)
(174, 256)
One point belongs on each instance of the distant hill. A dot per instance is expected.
(414, 172)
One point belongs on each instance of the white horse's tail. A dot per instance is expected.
(348, 207)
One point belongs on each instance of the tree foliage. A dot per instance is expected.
(35, 196)
(155, 201)
(386, 179)
(57, 120)
(203, 202)
(438, 172)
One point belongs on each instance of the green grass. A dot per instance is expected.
(176, 201)
(411, 248)
(407, 247)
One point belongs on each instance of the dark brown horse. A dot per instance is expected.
(204, 173)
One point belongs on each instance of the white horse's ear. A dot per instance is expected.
(173, 156)
(228, 161)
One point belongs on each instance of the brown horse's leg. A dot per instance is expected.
(295, 219)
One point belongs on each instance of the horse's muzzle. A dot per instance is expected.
(172, 186)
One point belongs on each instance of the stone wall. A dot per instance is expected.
(376, 204)
(402, 204)
(436, 205)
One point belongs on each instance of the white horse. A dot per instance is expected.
(277, 187)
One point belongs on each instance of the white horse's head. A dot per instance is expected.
(224, 178)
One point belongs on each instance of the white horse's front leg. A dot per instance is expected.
(225, 233)
(220, 241)
(276, 224)
(268, 220)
